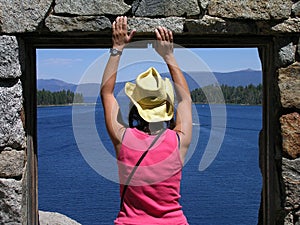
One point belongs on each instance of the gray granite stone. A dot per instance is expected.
(291, 179)
(10, 201)
(286, 53)
(215, 25)
(148, 25)
(9, 57)
(18, 16)
(11, 127)
(151, 8)
(11, 163)
(296, 9)
(250, 9)
(86, 7)
(79, 23)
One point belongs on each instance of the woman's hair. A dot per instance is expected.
(136, 121)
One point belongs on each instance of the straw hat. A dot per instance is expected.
(152, 95)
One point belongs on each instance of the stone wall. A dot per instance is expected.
(12, 134)
(278, 19)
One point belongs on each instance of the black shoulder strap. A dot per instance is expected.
(136, 166)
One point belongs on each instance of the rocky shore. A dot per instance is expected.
(54, 218)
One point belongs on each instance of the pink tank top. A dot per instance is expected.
(153, 194)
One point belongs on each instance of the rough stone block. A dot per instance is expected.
(204, 4)
(22, 16)
(289, 85)
(214, 25)
(291, 179)
(55, 218)
(147, 25)
(296, 9)
(290, 131)
(80, 23)
(11, 127)
(11, 163)
(286, 52)
(88, 8)
(251, 9)
(10, 201)
(292, 218)
(165, 8)
(291, 25)
(9, 57)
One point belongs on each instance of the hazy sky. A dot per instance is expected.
(72, 65)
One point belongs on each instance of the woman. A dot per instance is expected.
(153, 192)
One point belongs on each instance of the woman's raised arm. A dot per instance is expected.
(120, 38)
(164, 48)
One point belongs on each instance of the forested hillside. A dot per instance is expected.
(58, 98)
(250, 94)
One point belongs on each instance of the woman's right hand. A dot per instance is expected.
(120, 35)
(164, 43)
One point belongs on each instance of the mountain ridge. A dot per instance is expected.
(234, 78)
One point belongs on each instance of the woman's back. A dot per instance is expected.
(153, 194)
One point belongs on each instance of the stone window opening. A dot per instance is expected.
(32, 180)
(265, 45)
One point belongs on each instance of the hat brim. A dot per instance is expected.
(162, 112)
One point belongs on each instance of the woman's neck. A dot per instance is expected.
(156, 127)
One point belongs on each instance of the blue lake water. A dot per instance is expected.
(227, 192)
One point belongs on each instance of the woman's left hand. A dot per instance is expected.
(120, 35)
(164, 43)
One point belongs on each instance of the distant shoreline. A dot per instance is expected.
(242, 104)
(89, 104)
(71, 104)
